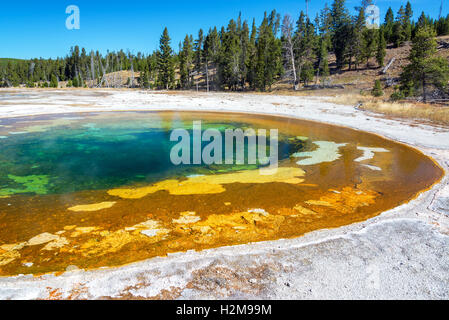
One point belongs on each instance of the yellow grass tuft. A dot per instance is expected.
(418, 111)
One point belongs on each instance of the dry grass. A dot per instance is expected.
(418, 111)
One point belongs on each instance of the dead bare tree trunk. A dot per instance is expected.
(289, 46)
(92, 67)
(5, 79)
(104, 70)
(119, 62)
(132, 71)
(100, 81)
(207, 75)
(424, 92)
(318, 72)
(384, 70)
(114, 76)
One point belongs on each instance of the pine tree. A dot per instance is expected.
(357, 46)
(402, 29)
(308, 47)
(324, 43)
(252, 53)
(323, 60)
(144, 80)
(211, 52)
(388, 25)
(229, 66)
(274, 65)
(370, 40)
(442, 26)
(54, 81)
(198, 51)
(408, 21)
(381, 48)
(166, 71)
(186, 63)
(326, 25)
(75, 82)
(261, 67)
(244, 54)
(424, 69)
(341, 31)
(269, 53)
(422, 21)
(377, 90)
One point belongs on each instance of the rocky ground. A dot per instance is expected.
(401, 254)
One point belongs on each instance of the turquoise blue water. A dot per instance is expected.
(97, 152)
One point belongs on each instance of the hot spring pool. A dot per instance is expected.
(98, 189)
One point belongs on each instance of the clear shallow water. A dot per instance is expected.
(99, 189)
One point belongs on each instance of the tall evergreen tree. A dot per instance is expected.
(186, 63)
(442, 26)
(244, 53)
(408, 21)
(308, 46)
(54, 81)
(341, 31)
(199, 51)
(229, 65)
(402, 29)
(357, 46)
(144, 79)
(423, 21)
(324, 44)
(326, 25)
(269, 51)
(425, 70)
(388, 25)
(381, 48)
(211, 52)
(274, 65)
(166, 70)
(370, 39)
(252, 53)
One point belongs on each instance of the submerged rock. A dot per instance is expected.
(42, 239)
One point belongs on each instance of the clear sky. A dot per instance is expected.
(35, 28)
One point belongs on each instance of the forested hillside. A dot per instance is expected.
(4, 61)
(298, 51)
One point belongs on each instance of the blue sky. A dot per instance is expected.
(37, 28)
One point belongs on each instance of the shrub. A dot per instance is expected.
(377, 90)
(397, 94)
